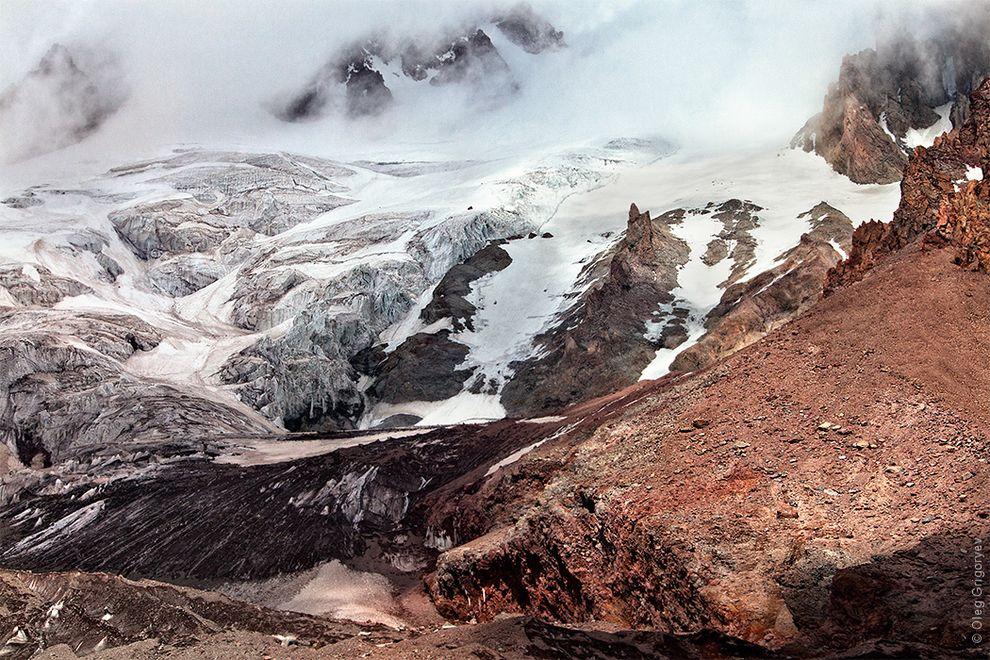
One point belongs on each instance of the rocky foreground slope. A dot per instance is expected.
(824, 486)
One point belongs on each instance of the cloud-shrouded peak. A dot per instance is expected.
(58, 102)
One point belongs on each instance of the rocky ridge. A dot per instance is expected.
(873, 114)
(750, 309)
(600, 341)
(943, 197)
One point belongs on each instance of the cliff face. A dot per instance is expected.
(885, 98)
(943, 196)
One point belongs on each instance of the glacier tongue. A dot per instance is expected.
(265, 273)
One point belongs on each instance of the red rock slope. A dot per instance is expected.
(820, 488)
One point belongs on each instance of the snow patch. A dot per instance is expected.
(513, 457)
(464, 408)
(838, 248)
(925, 137)
(343, 593)
(267, 452)
(543, 420)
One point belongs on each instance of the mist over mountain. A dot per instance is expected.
(232, 66)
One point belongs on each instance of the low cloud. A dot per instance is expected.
(716, 75)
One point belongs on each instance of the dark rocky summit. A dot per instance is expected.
(528, 30)
(365, 92)
(353, 80)
(883, 92)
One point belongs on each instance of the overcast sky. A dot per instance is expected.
(708, 73)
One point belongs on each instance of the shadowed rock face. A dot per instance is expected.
(449, 297)
(882, 93)
(426, 366)
(471, 58)
(365, 92)
(57, 103)
(423, 368)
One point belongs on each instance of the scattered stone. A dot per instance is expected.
(787, 512)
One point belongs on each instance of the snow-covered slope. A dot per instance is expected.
(544, 280)
(446, 259)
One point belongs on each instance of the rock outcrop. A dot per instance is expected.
(599, 344)
(365, 92)
(871, 115)
(750, 309)
(426, 366)
(943, 195)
